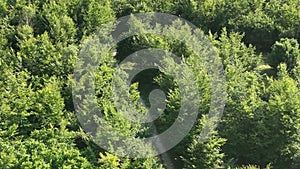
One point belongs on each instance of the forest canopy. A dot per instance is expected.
(257, 42)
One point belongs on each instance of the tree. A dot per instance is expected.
(59, 25)
(285, 51)
(235, 53)
(38, 55)
(204, 154)
(282, 120)
(285, 16)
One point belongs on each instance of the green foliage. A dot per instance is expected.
(96, 14)
(32, 153)
(59, 25)
(263, 22)
(35, 135)
(89, 15)
(204, 154)
(267, 121)
(257, 41)
(112, 162)
(242, 117)
(39, 55)
(283, 120)
(286, 16)
(125, 7)
(285, 51)
(235, 53)
(16, 101)
(245, 105)
(251, 167)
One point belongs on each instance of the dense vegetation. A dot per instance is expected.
(257, 41)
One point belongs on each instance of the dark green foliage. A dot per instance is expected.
(285, 51)
(257, 42)
(125, 7)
